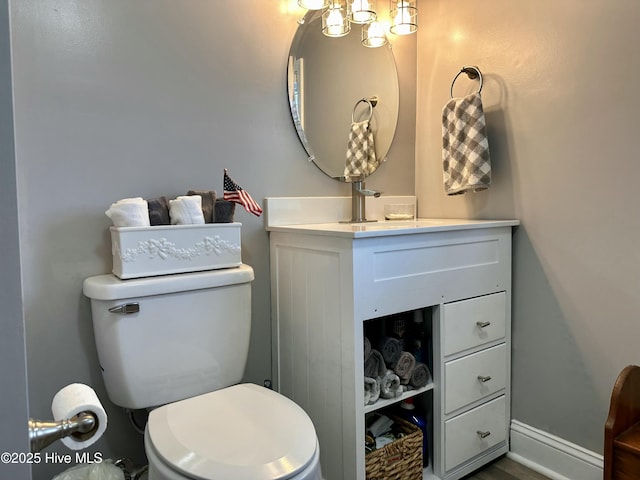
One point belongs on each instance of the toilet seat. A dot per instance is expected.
(240, 432)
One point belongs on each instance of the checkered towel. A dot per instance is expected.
(361, 151)
(465, 148)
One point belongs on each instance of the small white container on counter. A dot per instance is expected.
(166, 249)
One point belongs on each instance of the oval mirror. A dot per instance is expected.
(327, 80)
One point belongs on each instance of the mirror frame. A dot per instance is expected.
(383, 84)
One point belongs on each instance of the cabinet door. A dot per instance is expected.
(473, 322)
(474, 377)
(474, 432)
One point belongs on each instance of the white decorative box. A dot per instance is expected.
(165, 249)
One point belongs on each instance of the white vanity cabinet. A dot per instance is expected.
(327, 280)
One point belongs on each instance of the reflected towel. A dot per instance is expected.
(367, 348)
(159, 211)
(129, 212)
(186, 210)
(465, 148)
(390, 385)
(421, 376)
(371, 390)
(404, 367)
(361, 151)
(391, 348)
(208, 202)
(374, 365)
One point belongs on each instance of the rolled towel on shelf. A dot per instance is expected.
(374, 366)
(129, 212)
(371, 390)
(186, 210)
(208, 203)
(404, 367)
(367, 348)
(390, 385)
(159, 211)
(224, 211)
(421, 376)
(391, 348)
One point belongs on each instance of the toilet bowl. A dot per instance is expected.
(237, 433)
(178, 344)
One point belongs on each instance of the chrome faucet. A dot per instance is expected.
(358, 194)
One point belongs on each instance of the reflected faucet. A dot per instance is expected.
(358, 194)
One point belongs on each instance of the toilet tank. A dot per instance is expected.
(167, 338)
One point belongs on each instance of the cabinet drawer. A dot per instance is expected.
(475, 431)
(473, 322)
(475, 376)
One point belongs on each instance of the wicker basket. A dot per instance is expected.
(399, 460)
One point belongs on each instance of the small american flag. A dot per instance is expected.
(234, 193)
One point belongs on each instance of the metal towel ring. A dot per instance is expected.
(472, 72)
(372, 102)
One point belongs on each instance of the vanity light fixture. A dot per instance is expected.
(404, 16)
(335, 19)
(373, 35)
(313, 4)
(362, 11)
(338, 15)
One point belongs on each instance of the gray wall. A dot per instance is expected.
(13, 399)
(114, 99)
(561, 105)
(117, 98)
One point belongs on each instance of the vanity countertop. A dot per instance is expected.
(391, 227)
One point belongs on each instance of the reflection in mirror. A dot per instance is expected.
(327, 79)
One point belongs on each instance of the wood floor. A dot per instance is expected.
(505, 469)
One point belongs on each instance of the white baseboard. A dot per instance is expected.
(552, 456)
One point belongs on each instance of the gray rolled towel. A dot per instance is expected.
(374, 366)
(391, 349)
(208, 202)
(371, 390)
(421, 376)
(158, 211)
(224, 211)
(390, 385)
(367, 348)
(404, 367)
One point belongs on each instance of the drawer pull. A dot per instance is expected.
(484, 378)
(483, 324)
(482, 434)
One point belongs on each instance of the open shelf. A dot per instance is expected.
(385, 402)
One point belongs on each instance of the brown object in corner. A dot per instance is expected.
(622, 429)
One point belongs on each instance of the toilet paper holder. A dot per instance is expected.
(42, 434)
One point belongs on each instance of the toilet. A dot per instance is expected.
(177, 345)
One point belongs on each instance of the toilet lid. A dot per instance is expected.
(241, 432)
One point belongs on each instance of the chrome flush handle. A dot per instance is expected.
(126, 308)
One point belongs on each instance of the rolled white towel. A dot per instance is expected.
(129, 212)
(371, 390)
(186, 210)
(390, 386)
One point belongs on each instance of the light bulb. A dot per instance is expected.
(362, 12)
(373, 35)
(334, 23)
(404, 22)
